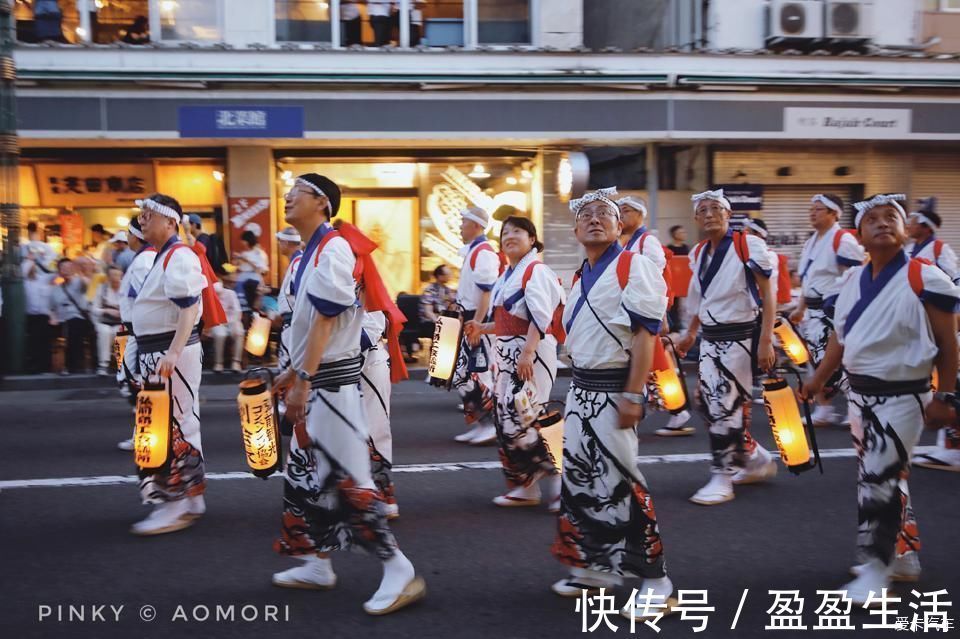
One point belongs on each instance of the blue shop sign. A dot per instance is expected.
(240, 121)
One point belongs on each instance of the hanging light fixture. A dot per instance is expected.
(259, 423)
(478, 172)
(667, 380)
(790, 431)
(445, 349)
(151, 435)
(258, 335)
(790, 342)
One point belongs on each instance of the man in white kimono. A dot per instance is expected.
(607, 529)
(826, 255)
(330, 501)
(473, 378)
(895, 320)
(633, 215)
(166, 317)
(731, 277)
(922, 227)
(128, 372)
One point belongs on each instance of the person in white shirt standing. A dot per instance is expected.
(166, 317)
(922, 227)
(106, 316)
(473, 378)
(826, 255)
(633, 215)
(731, 278)
(379, 12)
(233, 329)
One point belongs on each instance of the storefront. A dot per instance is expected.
(411, 205)
(65, 197)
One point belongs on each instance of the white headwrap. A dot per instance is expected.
(634, 202)
(310, 185)
(891, 199)
(254, 228)
(756, 228)
(717, 196)
(923, 219)
(289, 234)
(476, 214)
(600, 195)
(827, 202)
(134, 231)
(156, 207)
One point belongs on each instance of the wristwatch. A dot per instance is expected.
(304, 375)
(946, 398)
(634, 398)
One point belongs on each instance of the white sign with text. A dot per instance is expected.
(850, 123)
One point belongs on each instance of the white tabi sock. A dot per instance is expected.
(397, 573)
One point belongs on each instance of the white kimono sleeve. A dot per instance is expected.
(543, 295)
(331, 287)
(948, 262)
(850, 252)
(938, 289)
(761, 259)
(373, 326)
(183, 280)
(487, 270)
(644, 300)
(846, 298)
(653, 250)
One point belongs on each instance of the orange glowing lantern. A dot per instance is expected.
(550, 425)
(151, 436)
(790, 342)
(120, 347)
(447, 335)
(258, 336)
(260, 426)
(666, 379)
(789, 429)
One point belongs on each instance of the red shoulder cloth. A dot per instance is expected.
(375, 294)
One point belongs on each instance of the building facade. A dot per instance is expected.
(487, 102)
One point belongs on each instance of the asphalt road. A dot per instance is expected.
(488, 570)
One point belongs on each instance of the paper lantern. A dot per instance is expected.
(151, 435)
(258, 336)
(935, 380)
(447, 335)
(260, 426)
(666, 380)
(790, 342)
(120, 347)
(551, 430)
(788, 427)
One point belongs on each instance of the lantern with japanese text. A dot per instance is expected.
(447, 335)
(120, 346)
(152, 440)
(790, 430)
(666, 379)
(258, 335)
(259, 424)
(550, 424)
(790, 342)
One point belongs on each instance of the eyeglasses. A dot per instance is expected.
(596, 214)
(144, 216)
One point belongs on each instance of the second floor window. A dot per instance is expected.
(305, 20)
(190, 20)
(503, 22)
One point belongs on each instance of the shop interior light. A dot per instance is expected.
(122, 221)
(526, 174)
(512, 181)
(100, 4)
(479, 172)
(168, 6)
(81, 32)
(564, 179)
(218, 176)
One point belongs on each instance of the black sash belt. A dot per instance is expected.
(866, 385)
(332, 375)
(815, 303)
(729, 332)
(159, 342)
(601, 380)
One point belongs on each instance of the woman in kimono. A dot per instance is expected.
(525, 298)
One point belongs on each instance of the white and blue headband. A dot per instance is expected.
(634, 202)
(888, 199)
(827, 202)
(605, 195)
(156, 207)
(716, 196)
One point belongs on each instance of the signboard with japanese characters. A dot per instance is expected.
(93, 185)
(240, 121)
(244, 211)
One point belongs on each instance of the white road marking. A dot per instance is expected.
(443, 467)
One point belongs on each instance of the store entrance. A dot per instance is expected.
(391, 222)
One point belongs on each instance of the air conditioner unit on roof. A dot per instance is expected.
(794, 19)
(848, 19)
